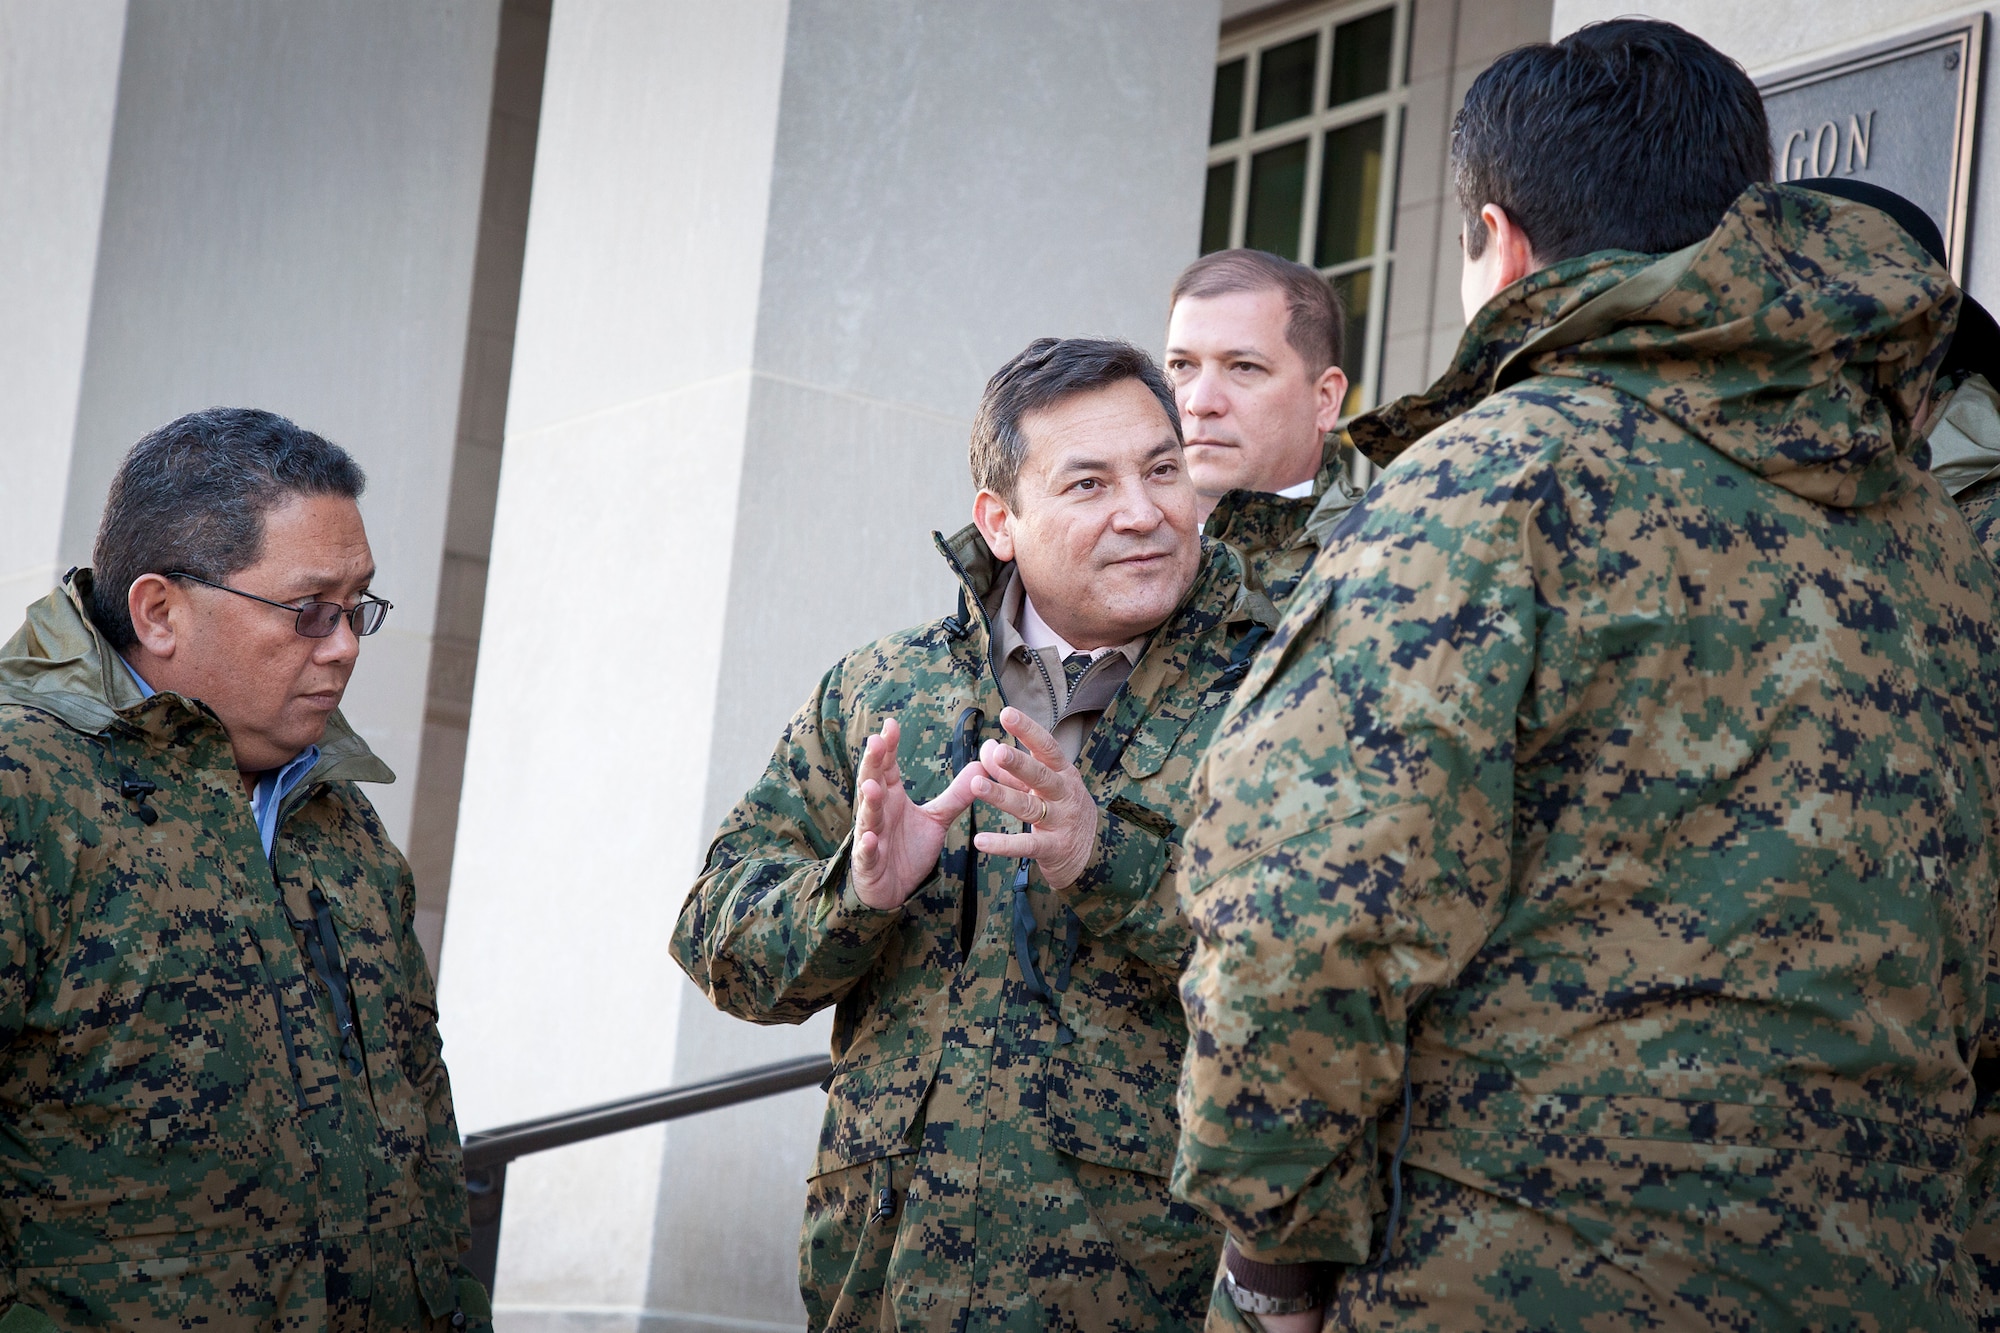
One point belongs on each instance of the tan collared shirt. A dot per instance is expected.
(1030, 656)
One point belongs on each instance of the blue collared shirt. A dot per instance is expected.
(269, 796)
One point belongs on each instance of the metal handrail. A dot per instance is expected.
(488, 1152)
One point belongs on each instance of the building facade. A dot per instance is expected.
(659, 327)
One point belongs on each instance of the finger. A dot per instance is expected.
(872, 755)
(892, 741)
(1024, 806)
(868, 816)
(993, 757)
(866, 851)
(878, 759)
(1027, 771)
(1033, 735)
(1024, 846)
(952, 802)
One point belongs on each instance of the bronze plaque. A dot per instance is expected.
(1901, 113)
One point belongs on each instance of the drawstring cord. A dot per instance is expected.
(1024, 953)
(1396, 1169)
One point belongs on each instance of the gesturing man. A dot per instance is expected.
(1595, 891)
(1254, 346)
(1007, 1033)
(223, 1097)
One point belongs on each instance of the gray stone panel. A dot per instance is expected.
(290, 222)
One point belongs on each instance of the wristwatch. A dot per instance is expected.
(1256, 1302)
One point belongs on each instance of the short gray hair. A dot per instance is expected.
(192, 496)
(1048, 370)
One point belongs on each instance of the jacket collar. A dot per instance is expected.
(1509, 322)
(58, 662)
(1219, 595)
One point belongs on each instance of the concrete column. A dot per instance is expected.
(58, 95)
(774, 253)
(289, 220)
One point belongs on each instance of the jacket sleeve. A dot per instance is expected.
(442, 1185)
(37, 870)
(1982, 1238)
(1129, 894)
(1352, 849)
(772, 931)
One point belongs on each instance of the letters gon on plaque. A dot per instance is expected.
(1902, 113)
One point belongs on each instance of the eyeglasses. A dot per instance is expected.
(316, 620)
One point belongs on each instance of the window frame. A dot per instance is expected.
(1249, 43)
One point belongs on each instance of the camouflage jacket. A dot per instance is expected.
(997, 1136)
(1278, 535)
(189, 1140)
(1595, 882)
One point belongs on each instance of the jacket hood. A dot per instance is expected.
(1799, 339)
(60, 663)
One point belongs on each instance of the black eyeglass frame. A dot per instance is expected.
(351, 614)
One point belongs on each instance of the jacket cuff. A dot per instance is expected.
(1281, 1281)
(841, 910)
(1124, 871)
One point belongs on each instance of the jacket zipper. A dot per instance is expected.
(1055, 709)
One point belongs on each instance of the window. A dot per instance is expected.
(1307, 122)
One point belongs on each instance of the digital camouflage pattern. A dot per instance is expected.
(1278, 535)
(1021, 1121)
(187, 1143)
(1614, 814)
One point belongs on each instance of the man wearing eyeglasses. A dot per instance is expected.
(222, 1095)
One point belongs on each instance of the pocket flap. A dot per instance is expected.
(874, 1111)
(1151, 744)
(1122, 1118)
(437, 1273)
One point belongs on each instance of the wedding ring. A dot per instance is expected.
(1045, 810)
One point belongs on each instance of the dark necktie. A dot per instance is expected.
(1073, 668)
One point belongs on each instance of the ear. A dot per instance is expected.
(1328, 395)
(996, 523)
(1514, 255)
(155, 603)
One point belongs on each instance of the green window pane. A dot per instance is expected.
(1361, 57)
(1285, 81)
(1353, 290)
(1277, 198)
(1215, 207)
(1350, 183)
(1225, 121)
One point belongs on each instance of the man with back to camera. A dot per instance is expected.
(1595, 886)
(1007, 1032)
(223, 1092)
(1254, 346)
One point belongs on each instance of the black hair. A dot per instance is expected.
(191, 497)
(1050, 369)
(1631, 134)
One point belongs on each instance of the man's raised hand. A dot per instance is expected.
(1041, 788)
(897, 841)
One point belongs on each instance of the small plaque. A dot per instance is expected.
(1901, 113)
